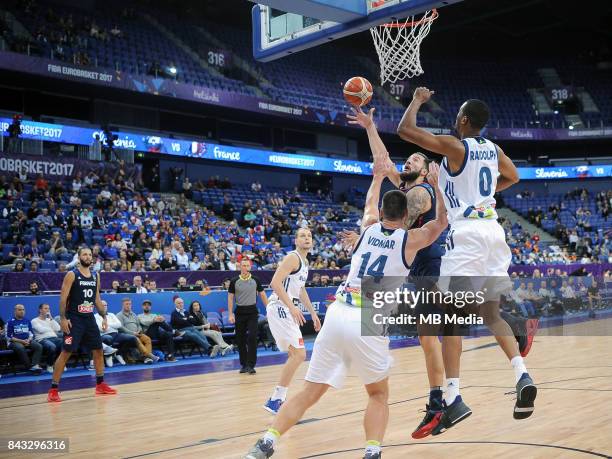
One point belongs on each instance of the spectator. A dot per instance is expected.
(46, 332)
(34, 290)
(56, 245)
(182, 283)
(244, 290)
(9, 210)
(34, 267)
(594, 297)
(195, 263)
(138, 285)
(156, 328)
(131, 326)
(20, 339)
(58, 219)
(124, 342)
(168, 263)
(154, 266)
(182, 259)
(44, 218)
(187, 188)
(19, 267)
(33, 252)
(180, 321)
(199, 321)
(152, 286)
(256, 187)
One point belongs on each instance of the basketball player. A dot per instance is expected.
(473, 169)
(80, 291)
(425, 269)
(384, 251)
(284, 314)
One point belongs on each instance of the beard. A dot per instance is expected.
(409, 176)
(85, 264)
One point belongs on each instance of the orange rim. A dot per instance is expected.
(401, 25)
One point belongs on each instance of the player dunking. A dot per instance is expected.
(384, 251)
(473, 169)
(80, 292)
(284, 314)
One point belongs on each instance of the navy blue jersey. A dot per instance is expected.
(434, 251)
(82, 296)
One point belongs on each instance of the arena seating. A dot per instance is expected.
(295, 80)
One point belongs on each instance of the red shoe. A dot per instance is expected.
(105, 389)
(431, 420)
(53, 396)
(532, 328)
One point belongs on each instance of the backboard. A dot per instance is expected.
(283, 27)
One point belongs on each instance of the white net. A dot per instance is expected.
(398, 45)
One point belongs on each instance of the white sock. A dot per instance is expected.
(372, 447)
(280, 393)
(271, 436)
(519, 367)
(452, 390)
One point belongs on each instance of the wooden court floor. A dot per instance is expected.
(219, 415)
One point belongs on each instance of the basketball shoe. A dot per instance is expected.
(526, 392)
(431, 420)
(261, 450)
(105, 389)
(452, 414)
(53, 396)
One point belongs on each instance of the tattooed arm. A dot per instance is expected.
(419, 202)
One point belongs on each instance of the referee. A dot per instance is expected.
(245, 288)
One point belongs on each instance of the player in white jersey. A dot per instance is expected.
(473, 169)
(385, 250)
(284, 314)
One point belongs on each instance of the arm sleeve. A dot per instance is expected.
(259, 286)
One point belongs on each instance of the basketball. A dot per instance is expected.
(358, 91)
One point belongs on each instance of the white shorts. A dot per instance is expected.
(285, 330)
(477, 248)
(340, 346)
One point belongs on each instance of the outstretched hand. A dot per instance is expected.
(361, 118)
(422, 94)
(434, 173)
(348, 239)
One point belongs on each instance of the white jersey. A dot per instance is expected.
(379, 253)
(295, 281)
(468, 193)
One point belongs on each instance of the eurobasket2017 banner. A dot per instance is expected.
(217, 152)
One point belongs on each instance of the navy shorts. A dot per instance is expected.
(84, 333)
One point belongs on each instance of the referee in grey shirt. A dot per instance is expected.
(244, 288)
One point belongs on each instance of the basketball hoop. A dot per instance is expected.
(398, 44)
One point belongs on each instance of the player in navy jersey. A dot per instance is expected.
(79, 295)
(473, 169)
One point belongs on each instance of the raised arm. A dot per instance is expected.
(379, 151)
(428, 233)
(508, 174)
(446, 145)
(371, 214)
